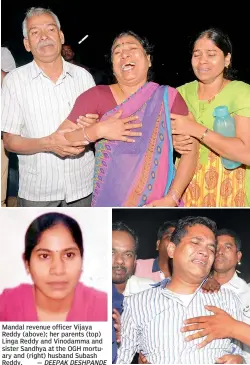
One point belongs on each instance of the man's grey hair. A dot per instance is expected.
(38, 11)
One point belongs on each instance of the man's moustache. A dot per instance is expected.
(46, 43)
(119, 268)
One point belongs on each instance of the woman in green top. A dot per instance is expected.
(212, 184)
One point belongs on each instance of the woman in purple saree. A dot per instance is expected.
(139, 173)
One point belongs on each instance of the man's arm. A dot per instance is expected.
(55, 143)
(13, 123)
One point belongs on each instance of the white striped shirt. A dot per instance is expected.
(33, 106)
(135, 285)
(239, 286)
(151, 323)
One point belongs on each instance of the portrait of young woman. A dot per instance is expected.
(44, 273)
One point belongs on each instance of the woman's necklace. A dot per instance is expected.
(209, 100)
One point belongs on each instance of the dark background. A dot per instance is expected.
(169, 26)
(146, 223)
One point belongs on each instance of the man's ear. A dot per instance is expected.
(61, 37)
(171, 249)
(239, 256)
(26, 44)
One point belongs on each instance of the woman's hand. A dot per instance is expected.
(182, 144)
(167, 201)
(184, 124)
(87, 120)
(117, 129)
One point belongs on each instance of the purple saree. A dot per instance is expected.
(134, 174)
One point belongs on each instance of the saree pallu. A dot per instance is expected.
(134, 174)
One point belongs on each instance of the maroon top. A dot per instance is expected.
(99, 100)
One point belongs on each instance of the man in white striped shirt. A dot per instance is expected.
(228, 255)
(152, 320)
(36, 99)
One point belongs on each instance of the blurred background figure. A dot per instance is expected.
(7, 60)
(70, 56)
(68, 53)
(100, 76)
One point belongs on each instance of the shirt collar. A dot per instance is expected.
(162, 284)
(156, 266)
(36, 70)
(68, 68)
(235, 281)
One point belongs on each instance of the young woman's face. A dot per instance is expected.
(56, 263)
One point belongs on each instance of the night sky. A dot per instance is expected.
(146, 223)
(103, 22)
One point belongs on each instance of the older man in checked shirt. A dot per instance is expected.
(152, 320)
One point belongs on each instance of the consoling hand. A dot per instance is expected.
(215, 326)
(210, 286)
(183, 124)
(59, 145)
(87, 120)
(182, 144)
